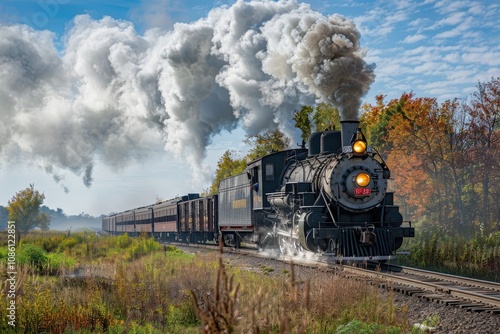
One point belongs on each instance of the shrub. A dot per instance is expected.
(58, 262)
(32, 255)
(67, 244)
(123, 241)
(182, 315)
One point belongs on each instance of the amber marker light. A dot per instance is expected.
(359, 146)
(363, 179)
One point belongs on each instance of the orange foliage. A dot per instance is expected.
(444, 157)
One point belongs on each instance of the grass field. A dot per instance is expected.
(88, 284)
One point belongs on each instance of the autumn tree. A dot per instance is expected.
(24, 210)
(227, 166)
(375, 120)
(484, 112)
(425, 144)
(411, 146)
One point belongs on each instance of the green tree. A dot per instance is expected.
(376, 119)
(303, 121)
(227, 166)
(24, 210)
(266, 143)
(326, 117)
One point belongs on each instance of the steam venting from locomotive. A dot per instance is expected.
(112, 95)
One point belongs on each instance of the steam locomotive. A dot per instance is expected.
(330, 198)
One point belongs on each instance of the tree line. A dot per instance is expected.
(444, 157)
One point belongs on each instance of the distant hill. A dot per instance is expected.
(59, 220)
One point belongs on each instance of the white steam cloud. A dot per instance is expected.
(111, 95)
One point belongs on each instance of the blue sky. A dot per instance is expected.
(434, 48)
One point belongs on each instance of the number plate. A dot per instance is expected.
(362, 191)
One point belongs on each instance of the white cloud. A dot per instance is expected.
(459, 30)
(449, 6)
(154, 13)
(476, 9)
(419, 22)
(491, 59)
(388, 70)
(460, 74)
(451, 20)
(452, 57)
(429, 68)
(414, 38)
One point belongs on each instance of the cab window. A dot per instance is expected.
(269, 172)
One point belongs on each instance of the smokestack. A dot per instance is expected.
(348, 130)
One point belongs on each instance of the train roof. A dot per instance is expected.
(158, 204)
(295, 152)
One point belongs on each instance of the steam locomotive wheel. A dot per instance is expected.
(333, 246)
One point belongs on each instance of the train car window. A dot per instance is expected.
(255, 175)
(269, 172)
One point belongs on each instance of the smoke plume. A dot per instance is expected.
(112, 95)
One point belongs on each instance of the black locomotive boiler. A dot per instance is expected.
(331, 198)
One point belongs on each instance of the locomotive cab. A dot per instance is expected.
(243, 202)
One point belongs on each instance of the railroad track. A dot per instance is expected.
(483, 293)
(467, 293)
(463, 292)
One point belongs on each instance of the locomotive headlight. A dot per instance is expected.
(363, 179)
(359, 146)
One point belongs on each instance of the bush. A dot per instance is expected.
(67, 244)
(183, 315)
(32, 255)
(57, 261)
(123, 241)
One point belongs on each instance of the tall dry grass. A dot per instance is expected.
(477, 256)
(244, 301)
(147, 288)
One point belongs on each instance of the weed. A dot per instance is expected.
(267, 270)
(219, 313)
